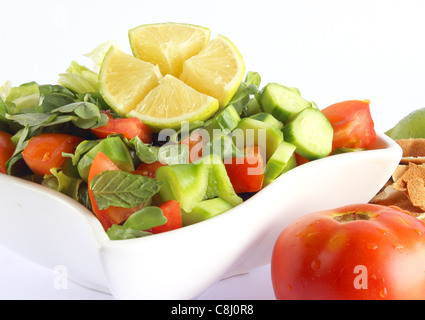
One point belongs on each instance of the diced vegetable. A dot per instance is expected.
(114, 148)
(352, 123)
(148, 169)
(247, 174)
(193, 182)
(205, 210)
(7, 148)
(196, 142)
(138, 224)
(44, 152)
(269, 119)
(282, 102)
(171, 210)
(311, 132)
(128, 127)
(219, 184)
(185, 183)
(111, 215)
(251, 132)
(282, 160)
(225, 121)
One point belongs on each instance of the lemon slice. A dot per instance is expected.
(217, 70)
(171, 103)
(168, 45)
(125, 80)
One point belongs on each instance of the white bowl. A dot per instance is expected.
(52, 230)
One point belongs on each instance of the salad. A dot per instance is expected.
(139, 178)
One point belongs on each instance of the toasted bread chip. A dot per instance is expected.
(399, 171)
(413, 171)
(395, 198)
(405, 190)
(413, 150)
(416, 192)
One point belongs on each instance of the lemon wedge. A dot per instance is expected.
(217, 70)
(168, 45)
(125, 80)
(173, 102)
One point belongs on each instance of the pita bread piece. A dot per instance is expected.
(413, 150)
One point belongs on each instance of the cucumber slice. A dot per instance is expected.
(251, 132)
(282, 160)
(253, 107)
(205, 210)
(268, 118)
(282, 102)
(311, 132)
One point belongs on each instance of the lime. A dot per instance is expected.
(411, 126)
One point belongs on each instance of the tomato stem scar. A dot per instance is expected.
(351, 216)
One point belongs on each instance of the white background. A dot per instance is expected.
(332, 50)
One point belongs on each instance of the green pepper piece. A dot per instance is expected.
(193, 182)
(186, 183)
(205, 210)
(219, 184)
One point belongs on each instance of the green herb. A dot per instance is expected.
(79, 79)
(59, 181)
(122, 189)
(137, 223)
(81, 149)
(145, 152)
(247, 88)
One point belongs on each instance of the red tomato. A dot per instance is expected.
(111, 215)
(128, 127)
(196, 142)
(352, 123)
(300, 159)
(44, 151)
(148, 169)
(171, 210)
(355, 252)
(6, 150)
(246, 174)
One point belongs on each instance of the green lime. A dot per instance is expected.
(411, 126)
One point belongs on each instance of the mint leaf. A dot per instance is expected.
(122, 189)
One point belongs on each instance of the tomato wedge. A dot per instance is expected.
(6, 150)
(352, 123)
(44, 151)
(128, 127)
(247, 174)
(148, 169)
(171, 210)
(111, 215)
(196, 142)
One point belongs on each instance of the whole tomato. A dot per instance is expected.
(355, 252)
